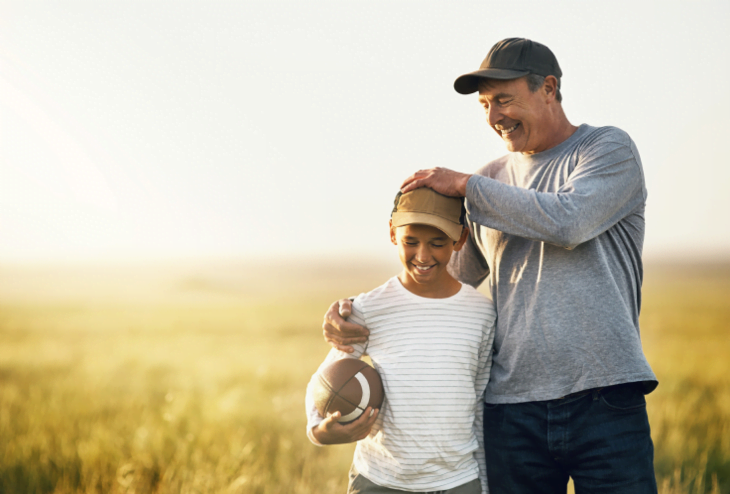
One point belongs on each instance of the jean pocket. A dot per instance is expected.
(491, 406)
(624, 397)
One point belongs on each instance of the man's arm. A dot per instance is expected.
(341, 333)
(605, 187)
(468, 265)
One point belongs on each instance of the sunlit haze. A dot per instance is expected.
(163, 130)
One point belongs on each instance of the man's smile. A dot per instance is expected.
(505, 132)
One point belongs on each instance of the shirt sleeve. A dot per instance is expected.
(468, 265)
(485, 365)
(606, 185)
(313, 416)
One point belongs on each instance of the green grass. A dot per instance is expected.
(194, 383)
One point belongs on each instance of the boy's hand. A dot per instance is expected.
(338, 332)
(329, 431)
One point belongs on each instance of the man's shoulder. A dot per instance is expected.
(604, 135)
(492, 168)
(586, 137)
(600, 142)
(607, 130)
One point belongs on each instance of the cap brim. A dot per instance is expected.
(469, 83)
(451, 229)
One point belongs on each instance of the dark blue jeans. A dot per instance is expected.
(600, 438)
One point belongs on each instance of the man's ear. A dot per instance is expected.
(550, 87)
(392, 233)
(462, 240)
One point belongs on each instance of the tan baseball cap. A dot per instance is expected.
(425, 206)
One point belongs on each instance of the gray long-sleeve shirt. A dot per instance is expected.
(558, 235)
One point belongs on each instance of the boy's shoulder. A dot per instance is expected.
(387, 292)
(478, 305)
(475, 296)
(393, 293)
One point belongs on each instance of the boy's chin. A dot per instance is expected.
(424, 278)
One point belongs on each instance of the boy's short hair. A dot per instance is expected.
(427, 207)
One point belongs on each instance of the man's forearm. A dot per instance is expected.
(565, 218)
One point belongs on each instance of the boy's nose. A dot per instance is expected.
(422, 255)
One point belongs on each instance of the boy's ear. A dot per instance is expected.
(392, 233)
(462, 239)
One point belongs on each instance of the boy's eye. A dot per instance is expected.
(438, 246)
(411, 243)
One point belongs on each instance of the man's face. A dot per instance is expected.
(520, 117)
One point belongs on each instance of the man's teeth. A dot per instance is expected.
(510, 130)
(423, 268)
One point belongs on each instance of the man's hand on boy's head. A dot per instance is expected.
(442, 180)
(338, 332)
(329, 431)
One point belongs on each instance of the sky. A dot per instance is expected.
(173, 130)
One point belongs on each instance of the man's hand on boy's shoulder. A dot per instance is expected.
(340, 333)
(329, 431)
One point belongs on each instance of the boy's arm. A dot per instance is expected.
(313, 416)
(329, 431)
(314, 419)
(483, 370)
(326, 430)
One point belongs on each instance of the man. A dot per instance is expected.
(557, 230)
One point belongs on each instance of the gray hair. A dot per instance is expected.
(535, 82)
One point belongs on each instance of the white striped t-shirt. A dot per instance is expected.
(433, 356)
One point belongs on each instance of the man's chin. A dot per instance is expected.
(513, 146)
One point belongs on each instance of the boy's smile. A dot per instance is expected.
(425, 252)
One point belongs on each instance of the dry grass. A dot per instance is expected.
(191, 380)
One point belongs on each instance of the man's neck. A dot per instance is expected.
(562, 129)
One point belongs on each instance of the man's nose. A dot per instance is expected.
(493, 116)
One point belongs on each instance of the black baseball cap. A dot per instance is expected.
(509, 59)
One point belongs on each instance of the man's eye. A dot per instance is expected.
(438, 246)
(411, 243)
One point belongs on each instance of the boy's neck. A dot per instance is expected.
(446, 287)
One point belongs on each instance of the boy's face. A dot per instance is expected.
(425, 251)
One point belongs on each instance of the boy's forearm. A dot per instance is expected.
(312, 438)
(321, 438)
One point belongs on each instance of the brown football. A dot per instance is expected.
(347, 386)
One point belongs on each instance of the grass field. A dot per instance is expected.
(191, 379)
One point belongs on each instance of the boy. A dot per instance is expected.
(431, 341)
